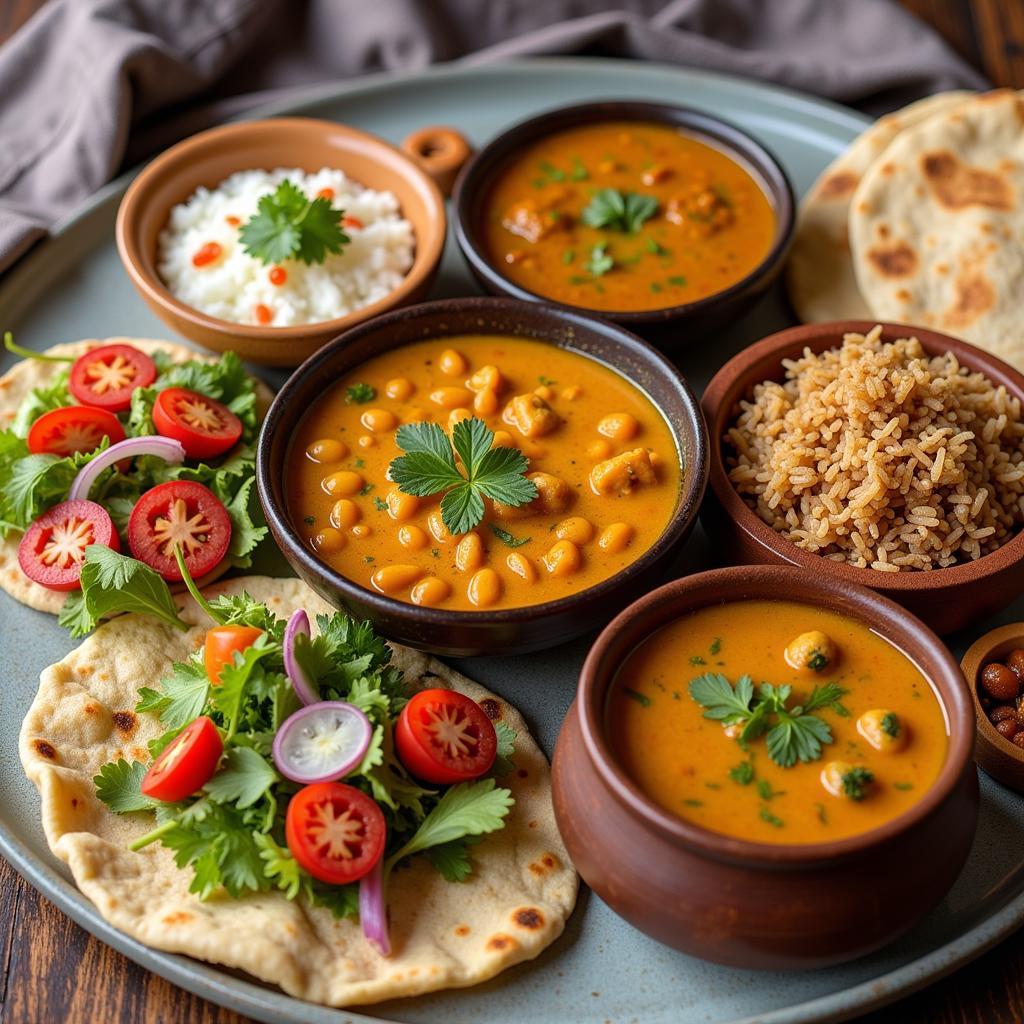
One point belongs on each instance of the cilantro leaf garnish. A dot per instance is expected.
(855, 781)
(619, 211)
(507, 538)
(428, 467)
(791, 733)
(599, 262)
(288, 225)
(118, 786)
(360, 394)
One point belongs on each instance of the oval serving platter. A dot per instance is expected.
(601, 969)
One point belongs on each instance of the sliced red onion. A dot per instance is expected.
(304, 689)
(373, 910)
(321, 742)
(165, 447)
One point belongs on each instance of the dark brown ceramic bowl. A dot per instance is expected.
(501, 631)
(681, 323)
(946, 599)
(749, 904)
(210, 157)
(999, 757)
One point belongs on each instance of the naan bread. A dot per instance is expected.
(820, 278)
(16, 385)
(937, 225)
(444, 934)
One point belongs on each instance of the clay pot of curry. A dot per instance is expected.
(656, 216)
(601, 427)
(735, 858)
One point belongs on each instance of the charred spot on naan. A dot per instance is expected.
(956, 185)
(500, 942)
(529, 918)
(838, 186)
(45, 749)
(973, 296)
(124, 721)
(491, 708)
(895, 261)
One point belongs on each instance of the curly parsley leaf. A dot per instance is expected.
(288, 225)
(360, 394)
(428, 467)
(619, 211)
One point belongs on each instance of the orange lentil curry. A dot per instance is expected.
(602, 458)
(626, 216)
(876, 744)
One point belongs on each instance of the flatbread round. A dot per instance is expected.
(936, 226)
(820, 278)
(16, 385)
(444, 934)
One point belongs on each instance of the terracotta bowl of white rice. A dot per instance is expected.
(890, 456)
(194, 199)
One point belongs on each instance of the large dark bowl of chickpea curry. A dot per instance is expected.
(643, 212)
(483, 476)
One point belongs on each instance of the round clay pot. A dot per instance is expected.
(946, 599)
(750, 904)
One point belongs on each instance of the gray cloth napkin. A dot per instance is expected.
(90, 86)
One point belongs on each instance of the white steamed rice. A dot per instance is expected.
(369, 267)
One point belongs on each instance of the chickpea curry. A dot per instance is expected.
(626, 216)
(576, 473)
(704, 717)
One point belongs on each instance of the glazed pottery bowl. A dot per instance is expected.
(681, 322)
(208, 158)
(1000, 758)
(946, 599)
(750, 904)
(508, 630)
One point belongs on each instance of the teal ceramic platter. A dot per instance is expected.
(601, 969)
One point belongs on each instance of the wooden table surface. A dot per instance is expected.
(51, 970)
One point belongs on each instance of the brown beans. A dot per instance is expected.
(1002, 714)
(327, 449)
(345, 513)
(503, 439)
(599, 450)
(469, 552)
(487, 378)
(1007, 728)
(379, 421)
(522, 566)
(362, 530)
(1015, 663)
(450, 397)
(452, 363)
(367, 441)
(394, 578)
(402, 506)
(343, 483)
(412, 537)
(328, 540)
(430, 591)
(531, 415)
(484, 588)
(1000, 682)
(485, 403)
(615, 538)
(563, 559)
(553, 493)
(575, 528)
(457, 416)
(400, 389)
(435, 524)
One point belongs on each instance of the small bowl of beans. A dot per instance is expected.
(994, 668)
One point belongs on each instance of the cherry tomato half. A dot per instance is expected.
(442, 736)
(53, 548)
(73, 428)
(221, 644)
(106, 376)
(205, 427)
(335, 832)
(186, 764)
(183, 513)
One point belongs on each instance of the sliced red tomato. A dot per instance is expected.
(106, 376)
(73, 428)
(221, 644)
(53, 548)
(205, 427)
(186, 764)
(182, 513)
(443, 736)
(335, 832)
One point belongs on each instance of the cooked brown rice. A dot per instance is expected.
(878, 455)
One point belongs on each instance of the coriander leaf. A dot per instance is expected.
(467, 809)
(827, 696)
(503, 763)
(428, 465)
(452, 859)
(715, 694)
(891, 724)
(279, 866)
(74, 616)
(341, 900)
(742, 774)
(287, 225)
(41, 400)
(243, 777)
(118, 786)
(856, 781)
(619, 211)
(599, 262)
(237, 679)
(795, 738)
(360, 394)
(113, 583)
(181, 697)
(245, 534)
(462, 508)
